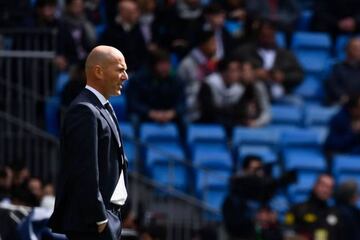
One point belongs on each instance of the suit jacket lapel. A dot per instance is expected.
(94, 100)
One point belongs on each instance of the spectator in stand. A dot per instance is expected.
(336, 16)
(147, 22)
(215, 20)
(155, 94)
(77, 35)
(233, 96)
(344, 129)
(94, 12)
(344, 79)
(5, 182)
(43, 15)
(20, 173)
(75, 84)
(246, 215)
(194, 68)
(235, 9)
(283, 12)
(35, 186)
(181, 24)
(346, 196)
(278, 68)
(12, 13)
(315, 218)
(125, 34)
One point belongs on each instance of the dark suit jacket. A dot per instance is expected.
(90, 167)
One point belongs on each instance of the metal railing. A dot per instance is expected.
(23, 142)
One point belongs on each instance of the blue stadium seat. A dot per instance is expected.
(310, 89)
(346, 164)
(199, 133)
(255, 136)
(211, 178)
(214, 197)
(267, 154)
(206, 135)
(119, 105)
(127, 131)
(319, 115)
(340, 46)
(342, 177)
(313, 63)
(312, 50)
(299, 191)
(174, 175)
(317, 42)
(154, 133)
(301, 138)
(52, 115)
(304, 160)
(212, 158)
(280, 39)
(131, 150)
(286, 114)
(164, 153)
(61, 80)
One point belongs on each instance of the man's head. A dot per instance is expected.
(324, 186)
(253, 165)
(266, 35)
(353, 50)
(207, 43)
(247, 73)
(129, 11)
(105, 69)
(231, 70)
(36, 187)
(75, 7)
(347, 192)
(160, 62)
(215, 15)
(353, 106)
(46, 9)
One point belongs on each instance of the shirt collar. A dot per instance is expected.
(101, 98)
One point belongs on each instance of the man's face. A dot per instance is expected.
(48, 12)
(354, 50)
(76, 8)
(267, 37)
(255, 168)
(162, 68)
(129, 12)
(114, 75)
(233, 73)
(209, 47)
(324, 188)
(216, 20)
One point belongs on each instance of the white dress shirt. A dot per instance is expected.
(120, 194)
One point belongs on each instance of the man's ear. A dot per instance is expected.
(98, 71)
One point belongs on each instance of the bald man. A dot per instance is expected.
(91, 185)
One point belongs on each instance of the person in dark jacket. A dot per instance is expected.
(344, 79)
(336, 16)
(125, 34)
(314, 218)
(277, 67)
(344, 134)
(77, 35)
(346, 196)
(155, 94)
